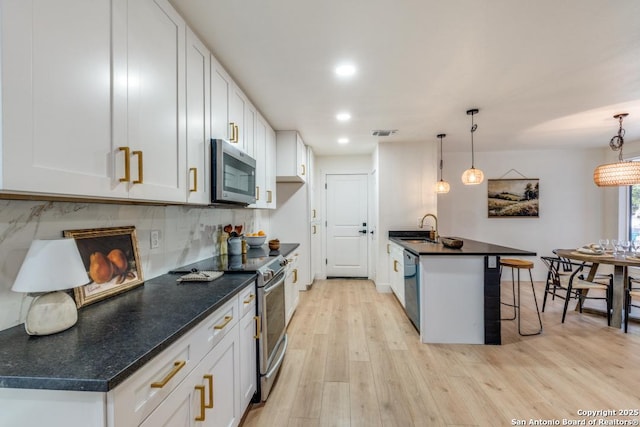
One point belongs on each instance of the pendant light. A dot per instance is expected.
(624, 172)
(472, 176)
(442, 187)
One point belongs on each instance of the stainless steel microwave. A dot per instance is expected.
(233, 174)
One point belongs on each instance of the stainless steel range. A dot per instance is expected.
(272, 343)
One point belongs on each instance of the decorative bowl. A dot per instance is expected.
(451, 242)
(255, 241)
(274, 245)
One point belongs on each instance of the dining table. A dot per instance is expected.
(620, 265)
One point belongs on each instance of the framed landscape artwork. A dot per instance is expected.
(513, 198)
(111, 258)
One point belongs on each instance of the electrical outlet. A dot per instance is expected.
(155, 239)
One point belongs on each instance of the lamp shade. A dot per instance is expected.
(51, 265)
(472, 176)
(617, 174)
(442, 187)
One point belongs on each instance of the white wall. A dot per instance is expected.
(188, 234)
(407, 173)
(573, 210)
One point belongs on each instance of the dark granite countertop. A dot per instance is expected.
(115, 337)
(470, 247)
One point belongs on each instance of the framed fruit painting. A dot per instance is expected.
(111, 258)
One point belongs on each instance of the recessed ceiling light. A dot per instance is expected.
(345, 70)
(343, 140)
(343, 117)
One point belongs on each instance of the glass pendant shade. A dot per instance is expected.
(621, 173)
(472, 176)
(442, 187)
(617, 174)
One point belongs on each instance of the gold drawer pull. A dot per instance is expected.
(395, 265)
(251, 298)
(127, 165)
(304, 170)
(269, 196)
(227, 319)
(176, 368)
(140, 179)
(209, 378)
(258, 331)
(195, 180)
(201, 417)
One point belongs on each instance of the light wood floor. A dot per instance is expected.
(354, 359)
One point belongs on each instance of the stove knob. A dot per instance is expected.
(284, 262)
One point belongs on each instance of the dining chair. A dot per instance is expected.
(632, 291)
(574, 285)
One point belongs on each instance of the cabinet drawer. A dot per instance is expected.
(247, 300)
(134, 399)
(216, 326)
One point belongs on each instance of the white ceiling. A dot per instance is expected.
(543, 73)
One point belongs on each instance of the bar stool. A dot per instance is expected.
(519, 264)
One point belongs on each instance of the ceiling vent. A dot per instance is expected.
(384, 132)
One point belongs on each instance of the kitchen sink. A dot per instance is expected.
(419, 240)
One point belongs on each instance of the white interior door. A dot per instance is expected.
(347, 231)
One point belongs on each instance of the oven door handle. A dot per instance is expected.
(278, 282)
(274, 368)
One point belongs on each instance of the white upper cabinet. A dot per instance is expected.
(149, 111)
(198, 117)
(56, 98)
(261, 162)
(270, 160)
(221, 85)
(291, 164)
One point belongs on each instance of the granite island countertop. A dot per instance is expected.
(470, 247)
(115, 337)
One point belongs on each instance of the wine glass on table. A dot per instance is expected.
(625, 244)
(614, 245)
(604, 244)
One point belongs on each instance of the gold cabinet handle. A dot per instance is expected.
(395, 265)
(304, 170)
(233, 132)
(258, 331)
(237, 129)
(314, 229)
(269, 196)
(388, 248)
(295, 275)
(226, 321)
(248, 300)
(201, 417)
(176, 368)
(140, 179)
(127, 164)
(257, 193)
(194, 171)
(314, 213)
(209, 378)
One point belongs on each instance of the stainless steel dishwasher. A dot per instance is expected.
(412, 288)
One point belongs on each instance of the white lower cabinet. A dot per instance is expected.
(396, 271)
(291, 293)
(206, 378)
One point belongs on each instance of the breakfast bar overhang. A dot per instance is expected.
(460, 290)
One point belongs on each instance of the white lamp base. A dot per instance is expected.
(50, 313)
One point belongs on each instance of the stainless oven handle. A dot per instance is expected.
(275, 367)
(278, 282)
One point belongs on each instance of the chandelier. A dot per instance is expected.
(623, 172)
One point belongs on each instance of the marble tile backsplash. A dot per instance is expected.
(187, 234)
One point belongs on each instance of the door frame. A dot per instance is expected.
(323, 205)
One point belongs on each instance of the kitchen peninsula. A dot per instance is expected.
(459, 289)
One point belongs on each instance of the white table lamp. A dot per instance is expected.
(50, 267)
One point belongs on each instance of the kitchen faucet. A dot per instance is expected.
(435, 219)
